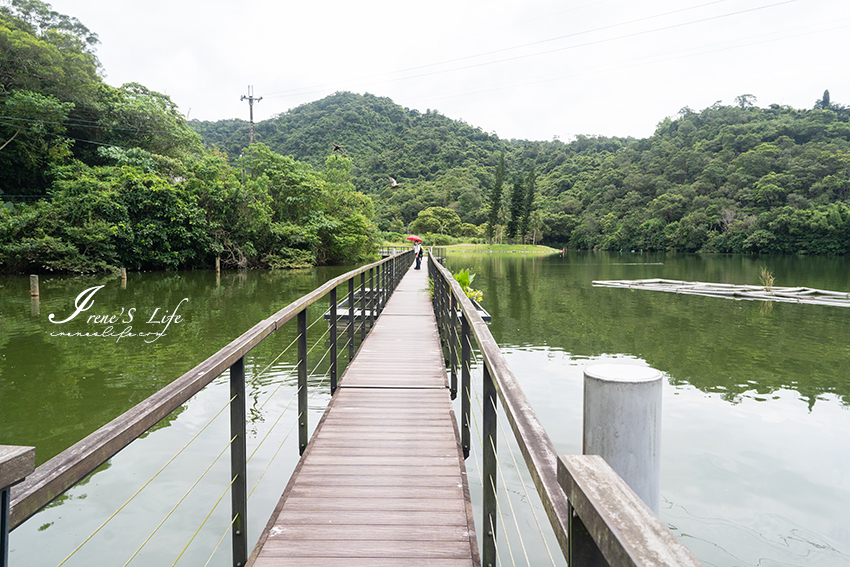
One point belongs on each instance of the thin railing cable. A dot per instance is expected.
(171, 460)
(287, 407)
(280, 384)
(269, 365)
(292, 399)
(289, 374)
(498, 464)
(508, 495)
(495, 542)
(525, 490)
(501, 521)
(224, 535)
(263, 440)
(289, 346)
(280, 446)
(191, 488)
(269, 464)
(474, 454)
(315, 344)
(492, 485)
(194, 535)
(516, 466)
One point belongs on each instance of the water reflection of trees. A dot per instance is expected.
(57, 390)
(717, 345)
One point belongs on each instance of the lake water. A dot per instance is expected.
(54, 390)
(755, 450)
(755, 463)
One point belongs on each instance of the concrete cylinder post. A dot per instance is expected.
(622, 424)
(33, 286)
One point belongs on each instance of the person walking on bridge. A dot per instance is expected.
(417, 254)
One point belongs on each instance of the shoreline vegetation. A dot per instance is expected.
(95, 177)
(477, 247)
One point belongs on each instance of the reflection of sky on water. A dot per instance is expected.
(57, 530)
(760, 480)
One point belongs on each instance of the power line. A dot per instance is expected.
(319, 88)
(65, 137)
(634, 62)
(90, 125)
(522, 46)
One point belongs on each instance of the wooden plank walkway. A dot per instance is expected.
(382, 481)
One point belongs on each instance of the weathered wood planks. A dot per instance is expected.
(382, 481)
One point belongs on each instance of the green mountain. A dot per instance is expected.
(730, 178)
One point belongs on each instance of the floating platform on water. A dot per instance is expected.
(733, 291)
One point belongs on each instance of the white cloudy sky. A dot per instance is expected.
(530, 69)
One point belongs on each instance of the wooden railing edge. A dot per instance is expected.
(53, 477)
(608, 507)
(535, 444)
(63, 471)
(287, 313)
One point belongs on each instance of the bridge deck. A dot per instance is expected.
(382, 481)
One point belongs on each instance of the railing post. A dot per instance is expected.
(489, 423)
(583, 550)
(362, 307)
(465, 385)
(351, 319)
(238, 465)
(439, 291)
(302, 381)
(379, 290)
(373, 297)
(385, 292)
(333, 322)
(5, 502)
(453, 342)
(16, 463)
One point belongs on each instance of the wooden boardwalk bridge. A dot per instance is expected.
(382, 481)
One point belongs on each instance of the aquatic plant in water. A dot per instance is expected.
(464, 278)
(766, 277)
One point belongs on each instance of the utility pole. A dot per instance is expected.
(250, 98)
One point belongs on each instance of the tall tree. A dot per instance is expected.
(824, 103)
(530, 183)
(517, 206)
(496, 198)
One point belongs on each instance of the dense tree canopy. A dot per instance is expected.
(126, 182)
(735, 178)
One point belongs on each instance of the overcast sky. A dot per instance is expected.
(527, 69)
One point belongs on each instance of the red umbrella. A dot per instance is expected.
(414, 238)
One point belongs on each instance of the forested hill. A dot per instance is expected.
(95, 177)
(729, 178)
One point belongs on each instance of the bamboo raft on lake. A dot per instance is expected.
(733, 291)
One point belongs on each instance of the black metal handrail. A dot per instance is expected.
(54, 477)
(596, 518)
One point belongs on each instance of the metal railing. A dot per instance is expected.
(596, 518)
(34, 490)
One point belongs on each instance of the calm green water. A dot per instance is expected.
(755, 456)
(54, 390)
(755, 450)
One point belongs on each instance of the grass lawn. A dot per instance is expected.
(527, 248)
